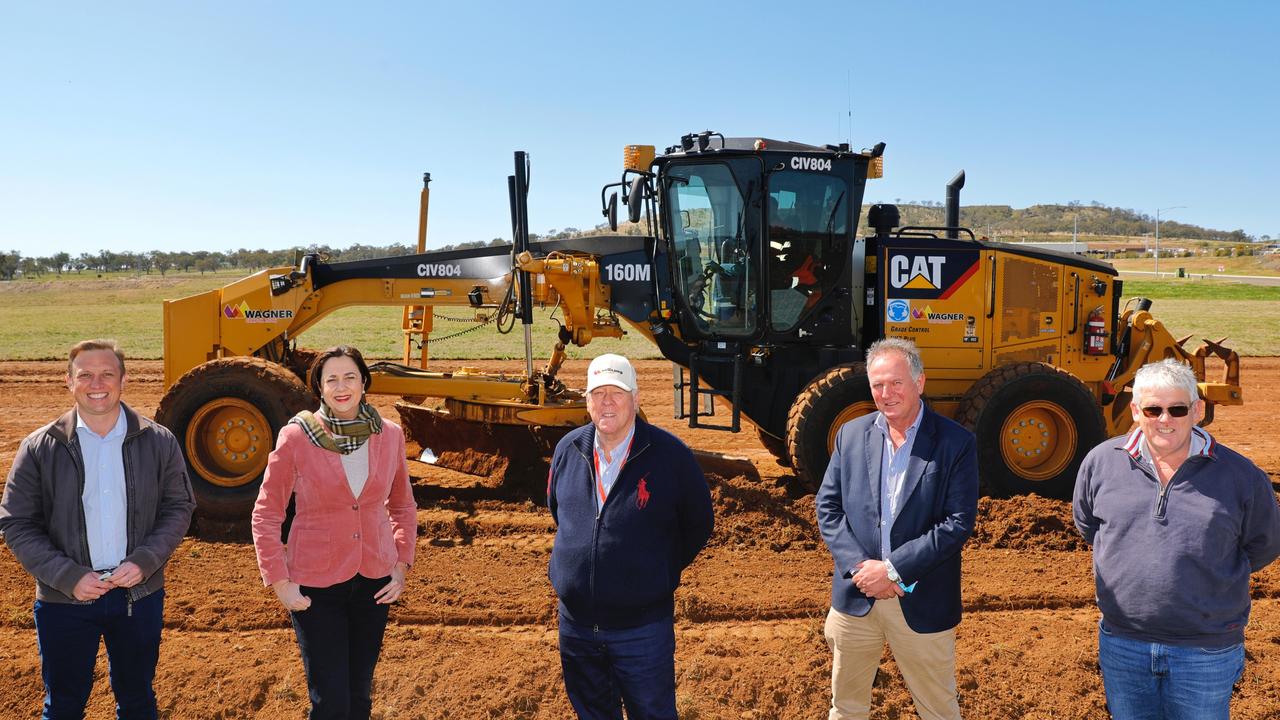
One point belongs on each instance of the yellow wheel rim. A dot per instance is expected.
(852, 412)
(1038, 440)
(228, 441)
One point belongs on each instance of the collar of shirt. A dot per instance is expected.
(883, 425)
(623, 445)
(116, 432)
(607, 470)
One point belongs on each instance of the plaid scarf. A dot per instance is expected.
(341, 436)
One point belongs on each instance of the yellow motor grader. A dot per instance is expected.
(756, 285)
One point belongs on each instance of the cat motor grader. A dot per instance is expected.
(756, 285)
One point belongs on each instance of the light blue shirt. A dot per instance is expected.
(893, 471)
(607, 470)
(105, 506)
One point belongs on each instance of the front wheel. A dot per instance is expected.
(227, 413)
(1034, 423)
(829, 401)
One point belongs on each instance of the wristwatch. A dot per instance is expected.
(893, 573)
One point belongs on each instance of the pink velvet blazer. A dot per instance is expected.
(334, 534)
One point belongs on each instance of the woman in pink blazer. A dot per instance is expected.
(353, 532)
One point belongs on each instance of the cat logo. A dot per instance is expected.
(919, 272)
(928, 274)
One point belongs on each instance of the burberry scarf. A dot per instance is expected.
(341, 436)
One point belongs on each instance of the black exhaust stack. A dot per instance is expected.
(953, 205)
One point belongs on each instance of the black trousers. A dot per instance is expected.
(340, 636)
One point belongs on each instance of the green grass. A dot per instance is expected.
(1240, 321)
(40, 319)
(1199, 290)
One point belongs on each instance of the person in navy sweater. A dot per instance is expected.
(632, 510)
(1178, 522)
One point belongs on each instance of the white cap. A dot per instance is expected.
(610, 369)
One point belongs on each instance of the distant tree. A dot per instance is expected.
(9, 264)
(61, 260)
(29, 266)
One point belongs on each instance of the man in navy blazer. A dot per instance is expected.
(896, 505)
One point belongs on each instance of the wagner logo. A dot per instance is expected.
(929, 274)
(439, 270)
(248, 314)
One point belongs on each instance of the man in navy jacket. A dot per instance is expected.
(896, 505)
(632, 510)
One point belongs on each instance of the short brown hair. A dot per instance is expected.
(99, 344)
(337, 351)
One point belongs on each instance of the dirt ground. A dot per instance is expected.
(474, 636)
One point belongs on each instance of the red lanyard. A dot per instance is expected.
(595, 455)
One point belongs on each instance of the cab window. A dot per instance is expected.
(807, 220)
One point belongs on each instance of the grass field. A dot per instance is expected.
(1268, 265)
(39, 319)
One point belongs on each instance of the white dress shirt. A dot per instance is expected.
(105, 505)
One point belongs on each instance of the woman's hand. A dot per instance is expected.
(291, 596)
(391, 591)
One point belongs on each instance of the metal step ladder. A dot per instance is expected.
(728, 354)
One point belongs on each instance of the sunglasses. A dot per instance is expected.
(1155, 411)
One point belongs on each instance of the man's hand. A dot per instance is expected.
(872, 578)
(291, 596)
(91, 588)
(125, 576)
(391, 591)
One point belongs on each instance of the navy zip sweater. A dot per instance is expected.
(1172, 563)
(620, 568)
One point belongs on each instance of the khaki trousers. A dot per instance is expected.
(927, 662)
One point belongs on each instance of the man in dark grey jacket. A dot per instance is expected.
(94, 504)
(1178, 522)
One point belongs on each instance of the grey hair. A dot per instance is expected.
(1167, 374)
(904, 346)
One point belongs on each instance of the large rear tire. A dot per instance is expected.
(226, 414)
(828, 402)
(1035, 423)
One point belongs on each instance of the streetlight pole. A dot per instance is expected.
(1158, 211)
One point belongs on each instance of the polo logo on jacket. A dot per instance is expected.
(642, 493)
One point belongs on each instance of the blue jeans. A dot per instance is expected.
(605, 669)
(1154, 681)
(68, 636)
(340, 637)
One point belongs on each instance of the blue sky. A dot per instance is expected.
(142, 126)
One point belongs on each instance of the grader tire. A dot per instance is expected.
(1035, 423)
(226, 414)
(777, 448)
(829, 401)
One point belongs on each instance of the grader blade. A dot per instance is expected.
(505, 452)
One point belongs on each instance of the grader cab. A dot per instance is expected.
(753, 281)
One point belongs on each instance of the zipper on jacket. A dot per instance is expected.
(595, 528)
(130, 504)
(1162, 498)
(625, 462)
(73, 445)
(595, 531)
